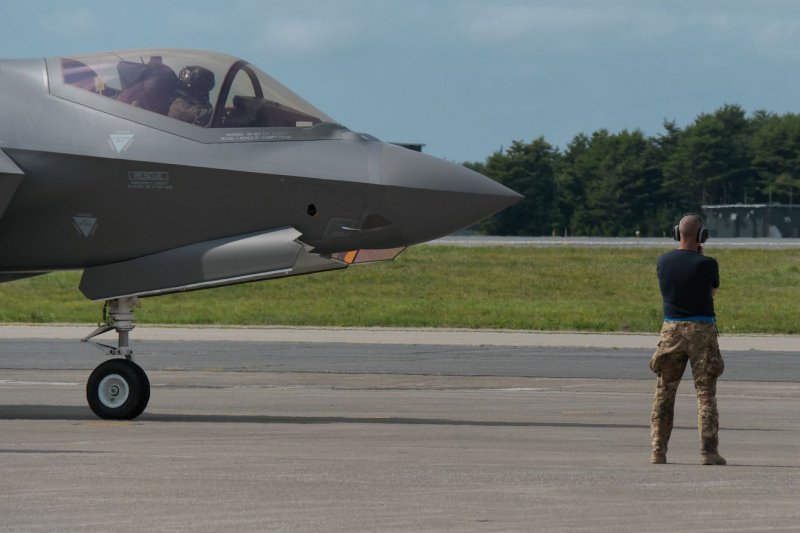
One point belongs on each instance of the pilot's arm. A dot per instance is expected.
(197, 113)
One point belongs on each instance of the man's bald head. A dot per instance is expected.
(689, 226)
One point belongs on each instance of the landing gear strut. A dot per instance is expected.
(118, 389)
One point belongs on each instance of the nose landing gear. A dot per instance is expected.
(118, 389)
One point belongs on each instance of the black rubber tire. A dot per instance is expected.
(138, 390)
(145, 390)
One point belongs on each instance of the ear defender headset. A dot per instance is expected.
(702, 232)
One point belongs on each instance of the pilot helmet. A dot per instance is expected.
(197, 79)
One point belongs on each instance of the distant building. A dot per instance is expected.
(752, 220)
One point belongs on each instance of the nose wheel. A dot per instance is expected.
(118, 389)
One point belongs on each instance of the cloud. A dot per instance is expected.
(78, 21)
(509, 22)
(567, 22)
(280, 28)
(702, 31)
(301, 36)
(777, 39)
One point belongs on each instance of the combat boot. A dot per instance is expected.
(658, 458)
(713, 459)
(709, 452)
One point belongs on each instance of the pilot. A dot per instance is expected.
(191, 103)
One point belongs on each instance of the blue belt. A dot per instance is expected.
(695, 318)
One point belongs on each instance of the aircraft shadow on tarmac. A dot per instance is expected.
(79, 413)
(62, 412)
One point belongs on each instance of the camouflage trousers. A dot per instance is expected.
(695, 342)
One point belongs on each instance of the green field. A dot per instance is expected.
(581, 289)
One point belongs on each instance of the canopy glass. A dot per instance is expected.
(206, 89)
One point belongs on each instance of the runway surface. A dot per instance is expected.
(416, 359)
(390, 436)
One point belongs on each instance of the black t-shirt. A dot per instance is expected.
(686, 279)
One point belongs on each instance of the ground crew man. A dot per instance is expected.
(688, 282)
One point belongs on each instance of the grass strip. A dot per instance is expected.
(578, 289)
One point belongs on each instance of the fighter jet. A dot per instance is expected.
(161, 171)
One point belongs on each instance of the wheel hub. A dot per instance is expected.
(113, 391)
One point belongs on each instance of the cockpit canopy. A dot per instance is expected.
(206, 89)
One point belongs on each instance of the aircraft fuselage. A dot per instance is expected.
(160, 171)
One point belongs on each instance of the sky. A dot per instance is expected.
(464, 77)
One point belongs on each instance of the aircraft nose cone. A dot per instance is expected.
(436, 197)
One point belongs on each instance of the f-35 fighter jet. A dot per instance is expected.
(159, 171)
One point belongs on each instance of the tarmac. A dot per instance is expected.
(429, 336)
(303, 429)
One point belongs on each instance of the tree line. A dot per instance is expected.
(614, 184)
